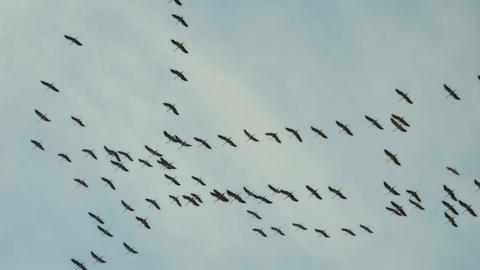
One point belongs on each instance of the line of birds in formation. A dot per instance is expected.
(400, 123)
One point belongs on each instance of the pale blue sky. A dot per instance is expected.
(259, 65)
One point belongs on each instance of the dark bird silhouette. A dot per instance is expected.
(277, 230)
(450, 192)
(153, 203)
(451, 92)
(126, 155)
(202, 142)
(450, 207)
(172, 179)
(145, 163)
(37, 145)
(414, 194)
(190, 200)
(97, 258)
(180, 19)
(175, 199)
(127, 206)
(453, 170)
(227, 140)
(450, 219)
(42, 116)
(313, 192)
(274, 136)
(259, 231)
(392, 157)
(80, 182)
(90, 153)
(250, 137)
(397, 125)
(393, 210)
(399, 208)
(50, 86)
(171, 138)
(416, 204)
(108, 182)
(196, 197)
(77, 121)
(130, 249)
(254, 214)
(348, 231)
(373, 122)
(288, 194)
(171, 107)
(295, 133)
(104, 231)
(64, 157)
(143, 221)
(299, 226)
(112, 153)
(176, 2)
(344, 128)
(73, 40)
(119, 165)
(264, 199)
(235, 196)
(198, 180)
(95, 217)
(182, 142)
(468, 208)
(166, 165)
(366, 228)
(78, 264)
(249, 193)
(401, 120)
(404, 96)
(319, 132)
(178, 74)
(219, 196)
(322, 232)
(179, 45)
(477, 184)
(274, 189)
(390, 189)
(153, 152)
(336, 192)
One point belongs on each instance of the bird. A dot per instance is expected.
(274, 189)
(259, 231)
(196, 197)
(50, 86)
(299, 226)
(145, 163)
(397, 125)
(172, 179)
(277, 230)
(416, 204)
(477, 184)
(337, 192)
(129, 249)
(414, 194)
(73, 40)
(274, 136)
(112, 153)
(97, 258)
(202, 142)
(318, 132)
(95, 217)
(104, 231)
(64, 157)
(37, 144)
(366, 228)
(254, 214)
(80, 182)
(180, 19)
(108, 182)
(344, 127)
(227, 140)
(198, 180)
(450, 207)
(153, 203)
(166, 165)
(294, 133)
(453, 170)
(250, 137)
(450, 92)
(404, 96)
(78, 264)
(400, 119)
(235, 196)
(125, 154)
(348, 231)
(390, 189)
(373, 122)
(153, 152)
(178, 74)
(119, 165)
(322, 232)
(171, 107)
(77, 121)
(399, 208)
(468, 208)
(176, 2)
(42, 116)
(90, 152)
(288, 194)
(219, 196)
(392, 157)
(313, 192)
(190, 200)
(143, 221)
(450, 192)
(127, 207)
(179, 45)
(393, 210)
(175, 199)
(450, 219)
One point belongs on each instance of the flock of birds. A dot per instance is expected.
(120, 159)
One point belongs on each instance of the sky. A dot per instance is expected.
(255, 65)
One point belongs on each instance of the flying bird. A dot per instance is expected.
(294, 133)
(126, 155)
(344, 128)
(90, 152)
(112, 153)
(450, 219)
(400, 119)
(190, 200)
(451, 92)
(127, 207)
(453, 170)
(227, 140)
(64, 157)
(50, 86)
(97, 258)
(348, 231)
(477, 183)
(468, 208)
(178, 74)
(196, 197)
(108, 182)
(397, 125)
(336, 192)
(73, 40)
(416, 204)
(373, 122)
(390, 189)
(153, 203)
(171, 107)
(119, 165)
(404, 96)
(392, 157)
(274, 136)
(450, 207)
(393, 210)
(313, 192)
(235, 196)
(414, 194)
(319, 132)
(366, 228)
(254, 214)
(322, 232)
(78, 264)
(299, 226)
(129, 249)
(399, 208)
(277, 230)
(37, 145)
(176, 2)
(145, 163)
(450, 192)
(95, 217)
(77, 121)
(180, 19)
(172, 179)
(179, 45)
(143, 221)
(104, 231)
(80, 182)
(175, 199)
(250, 137)
(42, 116)
(153, 152)
(198, 180)
(202, 142)
(259, 231)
